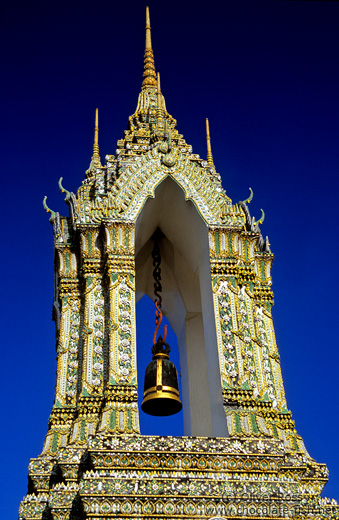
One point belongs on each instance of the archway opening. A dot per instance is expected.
(187, 301)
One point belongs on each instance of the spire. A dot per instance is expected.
(96, 135)
(148, 30)
(149, 69)
(159, 109)
(208, 140)
(95, 160)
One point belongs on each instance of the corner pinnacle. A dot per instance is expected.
(208, 141)
(159, 109)
(96, 134)
(149, 76)
(95, 160)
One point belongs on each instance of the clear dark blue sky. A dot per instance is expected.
(266, 75)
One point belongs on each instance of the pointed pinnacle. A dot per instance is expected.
(95, 160)
(148, 30)
(208, 141)
(149, 76)
(96, 134)
(159, 108)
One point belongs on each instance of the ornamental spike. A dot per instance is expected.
(96, 135)
(159, 108)
(149, 76)
(148, 30)
(95, 161)
(208, 141)
(267, 245)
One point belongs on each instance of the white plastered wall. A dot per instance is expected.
(187, 301)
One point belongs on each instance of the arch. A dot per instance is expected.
(187, 300)
(141, 180)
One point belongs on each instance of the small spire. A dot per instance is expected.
(96, 135)
(95, 160)
(149, 76)
(158, 84)
(159, 108)
(208, 140)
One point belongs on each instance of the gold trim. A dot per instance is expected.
(156, 394)
(156, 389)
(159, 355)
(159, 373)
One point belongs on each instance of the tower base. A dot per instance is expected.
(148, 477)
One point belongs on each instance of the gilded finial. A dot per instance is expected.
(148, 30)
(149, 76)
(95, 161)
(159, 108)
(96, 134)
(208, 141)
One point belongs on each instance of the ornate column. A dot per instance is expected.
(120, 414)
(67, 314)
(91, 373)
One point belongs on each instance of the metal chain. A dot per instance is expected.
(157, 272)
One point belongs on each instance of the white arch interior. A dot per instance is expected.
(187, 301)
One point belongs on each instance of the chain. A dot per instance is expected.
(157, 272)
(157, 290)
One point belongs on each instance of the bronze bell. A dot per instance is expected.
(161, 388)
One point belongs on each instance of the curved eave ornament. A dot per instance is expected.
(261, 219)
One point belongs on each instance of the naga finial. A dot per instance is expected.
(248, 200)
(262, 218)
(208, 141)
(149, 76)
(48, 210)
(68, 193)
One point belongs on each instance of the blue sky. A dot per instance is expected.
(266, 75)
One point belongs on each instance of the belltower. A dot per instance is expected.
(241, 456)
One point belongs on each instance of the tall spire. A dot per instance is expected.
(208, 141)
(149, 75)
(148, 30)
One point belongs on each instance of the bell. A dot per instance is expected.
(161, 388)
